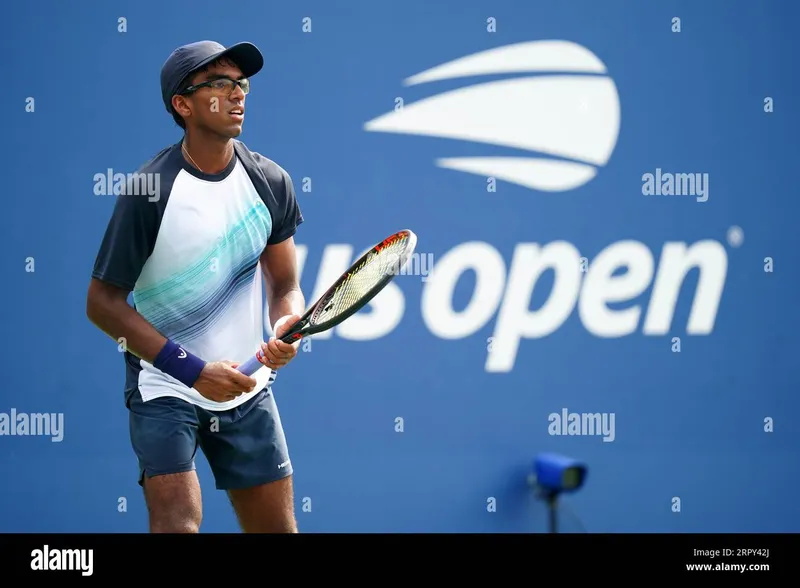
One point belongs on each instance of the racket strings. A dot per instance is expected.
(366, 276)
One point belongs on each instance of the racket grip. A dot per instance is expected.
(251, 366)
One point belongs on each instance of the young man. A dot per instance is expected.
(193, 256)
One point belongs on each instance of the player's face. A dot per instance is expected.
(219, 109)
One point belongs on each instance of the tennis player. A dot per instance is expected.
(193, 256)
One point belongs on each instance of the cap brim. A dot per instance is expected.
(245, 55)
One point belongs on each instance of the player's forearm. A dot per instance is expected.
(107, 307)
(117, 319)
(284, 302)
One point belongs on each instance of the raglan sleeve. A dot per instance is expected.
(288, 215)
(128, 240)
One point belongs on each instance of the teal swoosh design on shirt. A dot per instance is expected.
(180, 302)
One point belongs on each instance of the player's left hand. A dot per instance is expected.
(275, 353)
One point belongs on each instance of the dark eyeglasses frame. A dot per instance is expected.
(244, 84)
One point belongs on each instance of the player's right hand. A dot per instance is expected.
(220, 381)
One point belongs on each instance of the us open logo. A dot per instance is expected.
(566, 119)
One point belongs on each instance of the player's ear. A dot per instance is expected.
(181, 105)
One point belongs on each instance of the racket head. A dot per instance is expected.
(361, 282)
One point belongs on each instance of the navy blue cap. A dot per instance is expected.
(189, 58)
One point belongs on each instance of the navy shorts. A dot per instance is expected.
(245, 446)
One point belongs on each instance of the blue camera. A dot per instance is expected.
(552, 475)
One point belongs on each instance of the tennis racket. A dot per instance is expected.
(354, 289)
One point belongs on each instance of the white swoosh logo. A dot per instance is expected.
(576, 117)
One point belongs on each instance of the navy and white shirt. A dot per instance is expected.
(190, 255)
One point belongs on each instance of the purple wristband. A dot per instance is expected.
(179, 363)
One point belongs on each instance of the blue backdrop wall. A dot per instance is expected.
(555, 160)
